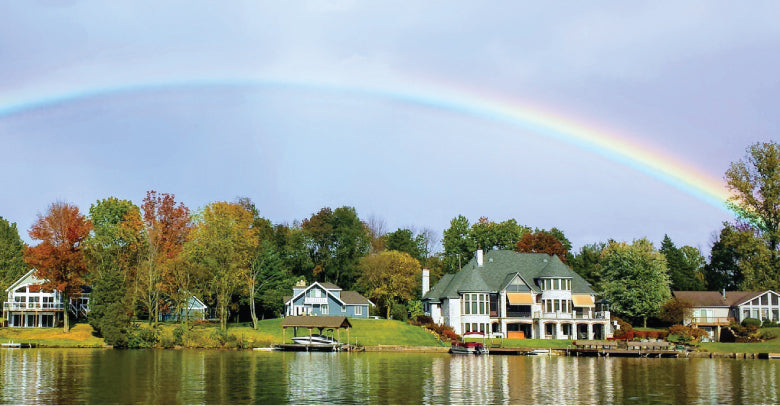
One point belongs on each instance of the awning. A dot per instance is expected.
(520, 298)
(582, 301)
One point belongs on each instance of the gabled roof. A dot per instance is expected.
(353, 298)
(716, 299)
(29, 278)
(347, 297)
(499, 266)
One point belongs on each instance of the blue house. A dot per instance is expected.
(325, 299)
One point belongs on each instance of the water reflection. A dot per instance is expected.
(73, 376)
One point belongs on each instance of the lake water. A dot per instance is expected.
(97, 376)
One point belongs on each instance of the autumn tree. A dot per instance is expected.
(12, 265)
(675, 311)
(389, 277)
(166, 227)
(542, 242)
(636, 282)
(223, 243)
(59, 257)
(113, 251)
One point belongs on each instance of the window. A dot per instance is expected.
(358, 310)
(343, 309)
(324, 309)
(774, 300)
(746, 314)
(765, 299)
(475, 303)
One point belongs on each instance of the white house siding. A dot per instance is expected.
(765, 306)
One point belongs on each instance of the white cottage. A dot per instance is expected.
(29, 305)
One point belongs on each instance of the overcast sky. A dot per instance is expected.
(302, 105)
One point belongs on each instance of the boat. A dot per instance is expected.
(537, 352)
(314, 339)
(459, 347)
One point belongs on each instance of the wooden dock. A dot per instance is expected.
(649, 349)
(18, 345)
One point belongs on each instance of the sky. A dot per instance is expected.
(607, 120)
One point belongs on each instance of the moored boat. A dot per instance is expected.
(314, 339)
(468, 348)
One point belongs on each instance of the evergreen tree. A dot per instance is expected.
(12, 265)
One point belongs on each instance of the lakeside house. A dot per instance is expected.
(714, 310)
(325, 299)
(195, 310)
(29, 305)
(517, 295)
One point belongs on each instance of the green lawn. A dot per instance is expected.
(767, 346)
(79, 336)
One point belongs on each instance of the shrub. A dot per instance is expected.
(178, 334)
(751, 323)
(220, 336)
(624, 331)
(769, 323)
(685, 334)
(143, 337)
(421, 320)
(399, 312)
(675, 311)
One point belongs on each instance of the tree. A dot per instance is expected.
(587, 263)
(755, 186)
(740, 259)
(403, 240)
(12, 265)
(675, 311)
(271, 278)
(337, 241)
(166, 227)
(684, 266)
(113, 253)
(223, 243)
(59, 257)
(636, 282)
(458, 247)
(389, 277)
(542, 242)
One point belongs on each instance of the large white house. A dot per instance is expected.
(517, 295)
(29, 305)
(713, 310)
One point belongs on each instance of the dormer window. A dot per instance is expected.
(556, 283)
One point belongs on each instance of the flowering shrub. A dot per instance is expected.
(686, 334)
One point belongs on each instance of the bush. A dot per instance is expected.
(420, 320)
(178, 334)
(685, 334)
(625, 331)
(769, 323)
(399, 312)
(143, 337)
(751, 323)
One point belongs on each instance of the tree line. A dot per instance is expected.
(143, 260)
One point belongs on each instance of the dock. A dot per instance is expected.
(17, 345)
(649, 349)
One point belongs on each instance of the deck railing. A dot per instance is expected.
(722, 321)
(32, 306)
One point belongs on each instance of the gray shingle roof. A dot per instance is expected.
(498, 268)
(353, 298)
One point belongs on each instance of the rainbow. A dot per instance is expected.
(612, 145)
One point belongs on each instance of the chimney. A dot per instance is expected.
(480, 257)
(724, 293)
(426, 281)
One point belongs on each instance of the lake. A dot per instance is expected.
(101, 376)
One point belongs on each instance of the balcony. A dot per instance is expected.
(32, 306)
(519, 315)
(315, 300)
(711, 321)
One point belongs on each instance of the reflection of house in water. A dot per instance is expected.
(326, 377)
(468, 380)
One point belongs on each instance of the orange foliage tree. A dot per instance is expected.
(542, 242)
(166, 227)
(59, 257)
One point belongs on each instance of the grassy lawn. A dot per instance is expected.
(363, 331)
(767, 346)
(524, 343)
(79, 336)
